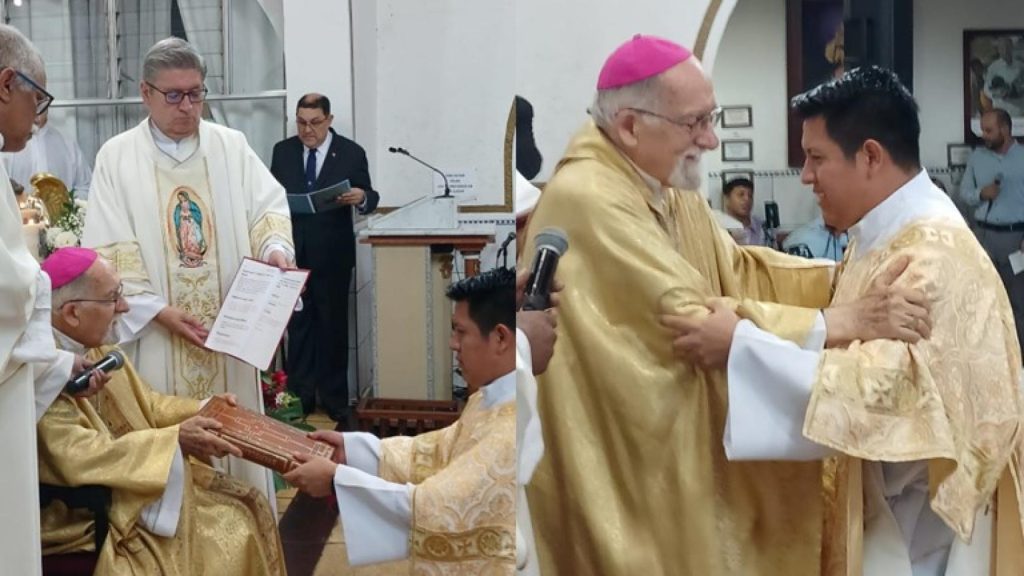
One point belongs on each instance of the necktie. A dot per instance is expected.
(310, 169)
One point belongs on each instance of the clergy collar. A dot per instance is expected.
(907, 203)
(500, 390)
(2, 141)
(67, 343)
(180, 150)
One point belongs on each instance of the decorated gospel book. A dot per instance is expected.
(262, 439)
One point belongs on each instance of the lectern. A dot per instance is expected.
(413, 262)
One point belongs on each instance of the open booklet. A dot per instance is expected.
(317, 201)
(256, 311)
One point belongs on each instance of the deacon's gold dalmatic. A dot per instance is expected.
(634, 479)
(952, 399)
(125, 438)
(464, 504)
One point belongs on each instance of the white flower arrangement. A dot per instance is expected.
(66, 231)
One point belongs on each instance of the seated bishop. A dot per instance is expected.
(171, 513)
(444, 499)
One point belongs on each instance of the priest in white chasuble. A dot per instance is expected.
(176, 204)
(32, 370)
(921, 440)
(171, 513)
(447, 498)
(634, 478)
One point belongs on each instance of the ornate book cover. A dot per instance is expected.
(262, 439)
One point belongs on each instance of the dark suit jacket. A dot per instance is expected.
(326, 241)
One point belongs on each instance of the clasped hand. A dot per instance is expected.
(887, 311)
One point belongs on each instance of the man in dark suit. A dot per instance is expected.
(325, 244)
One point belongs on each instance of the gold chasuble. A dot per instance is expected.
(951, 400)
(177, 230)
(464, 503)
(634, 479)
(125, 438)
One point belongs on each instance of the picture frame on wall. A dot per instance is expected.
(957, 155)
(992, 63)
(730, 175)
(737, 116)
(737, 150)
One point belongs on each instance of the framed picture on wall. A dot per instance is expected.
(957, 155)
(730, 175)
(993, 78)
(815, 53)
(737, 116)
(737, 150)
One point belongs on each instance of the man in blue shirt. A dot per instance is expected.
(815, 240)
(994, 183)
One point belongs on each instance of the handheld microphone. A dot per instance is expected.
(551, 245)
(404, 152)
(109, 363)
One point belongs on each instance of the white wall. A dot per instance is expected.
(318, 56)
(560, 47)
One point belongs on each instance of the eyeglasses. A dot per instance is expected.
(302, 123)
(41, 103)
(174, 97)
(112, 300)
(702, 122)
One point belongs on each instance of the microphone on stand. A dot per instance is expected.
(109, 363)
(404, 152)
(551, 244)
(503, 250)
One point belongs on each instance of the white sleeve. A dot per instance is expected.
(36, 344)
(50, 380)
(143, 308)
(362, 451)
(278, 247)
(376, 516)
(161, 517)
(770, 383)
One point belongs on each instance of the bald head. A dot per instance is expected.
(313, 119)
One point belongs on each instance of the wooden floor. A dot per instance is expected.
(311, 533)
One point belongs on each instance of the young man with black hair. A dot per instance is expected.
(445, 498)
(738, 202)
(921, 433)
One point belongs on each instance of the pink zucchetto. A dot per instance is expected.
(67, 264)
(639, 59)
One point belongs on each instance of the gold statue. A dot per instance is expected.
(52, 191)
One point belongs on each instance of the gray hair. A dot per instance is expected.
(172, 54)
(18, 53)
(644, 95)
(78, 289)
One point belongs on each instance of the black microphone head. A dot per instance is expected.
(392, 149)
(553, 238)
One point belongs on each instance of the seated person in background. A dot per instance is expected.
(815, 240)
(738, 201)
(171, 514)
(446, 498)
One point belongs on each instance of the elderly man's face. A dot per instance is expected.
(668, 143)
(179, 120)
(20, 100)
(89, 320)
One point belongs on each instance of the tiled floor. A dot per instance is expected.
(312, 537)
